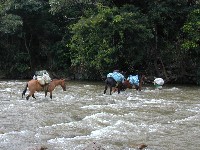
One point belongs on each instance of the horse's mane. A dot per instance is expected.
(57, 79)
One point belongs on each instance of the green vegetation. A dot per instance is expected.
(89, 38)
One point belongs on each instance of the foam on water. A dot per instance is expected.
(69, 97)
(82, 114)
(188, 119)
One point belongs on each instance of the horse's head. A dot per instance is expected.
(143, 79)
(63, 84)
(126, 84)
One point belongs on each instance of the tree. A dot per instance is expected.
(111, 38)
(191, 42)
(10, 29)
(191, 30)
(30, 31)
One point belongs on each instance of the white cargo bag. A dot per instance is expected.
(41, 80)
(159, 81)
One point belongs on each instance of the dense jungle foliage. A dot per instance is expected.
(86, 39)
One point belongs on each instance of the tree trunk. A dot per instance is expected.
(28, 50)
(155, 51)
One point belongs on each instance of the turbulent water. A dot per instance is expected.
(167, 119)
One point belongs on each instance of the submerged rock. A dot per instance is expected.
(38, 148)
(141, 146)
(94, 146)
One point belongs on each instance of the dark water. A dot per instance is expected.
(168, 119)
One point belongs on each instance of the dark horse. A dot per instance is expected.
(128, 85)
(111, 83)
(34, 85)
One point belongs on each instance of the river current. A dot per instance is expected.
(167, 119)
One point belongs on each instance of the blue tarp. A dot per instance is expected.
(118, 77)
(134, 80)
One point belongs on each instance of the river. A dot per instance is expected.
(167, 119)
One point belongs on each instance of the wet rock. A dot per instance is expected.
(141, 146)
(2, 130)
(94, 146)
(38, 148)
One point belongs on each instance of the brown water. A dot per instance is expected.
(168, 119)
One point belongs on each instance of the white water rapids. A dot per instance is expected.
(167, 119)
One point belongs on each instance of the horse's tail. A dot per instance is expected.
(25, 89)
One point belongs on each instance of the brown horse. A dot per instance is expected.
(34, 85)
(128, 85)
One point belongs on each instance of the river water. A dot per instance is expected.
(167, 119)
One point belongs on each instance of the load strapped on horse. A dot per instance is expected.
(118, 77)
(43, 78)
(158, 83)
(134, 80)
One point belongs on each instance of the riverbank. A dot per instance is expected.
(173, 79)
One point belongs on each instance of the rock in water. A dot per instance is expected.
(94, 146)
(141, 146)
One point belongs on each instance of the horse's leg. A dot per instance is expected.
(31, 93)
(114, 89)
(51, 94)
(25, 89)
(119, 87)
(106, 86)
(118, 90)
(46, 89)
(33, 96)
(138, 88)
(110, 90)
(27, 97)
(45, 93)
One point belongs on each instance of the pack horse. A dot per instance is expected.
(42, 82)
(114, 80)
